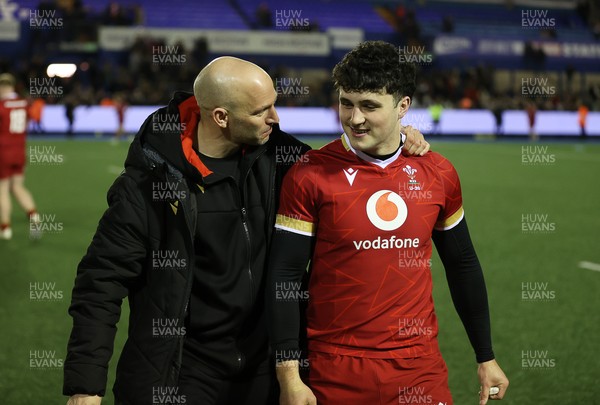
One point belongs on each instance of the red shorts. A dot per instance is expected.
(339, 379)
(12, 160)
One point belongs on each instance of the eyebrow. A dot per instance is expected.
(362, 102)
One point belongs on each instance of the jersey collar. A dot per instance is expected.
(378, 162)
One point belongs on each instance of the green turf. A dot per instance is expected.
(497, 188)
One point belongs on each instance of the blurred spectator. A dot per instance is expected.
(448, 24)
(582, 118)
(435, 111)
(498, 111)
(534, 56)
(36, 108)
(531, 110)
(115, 14)
(263, 16)
(70, 103)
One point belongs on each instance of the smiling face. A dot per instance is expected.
(372, 120)
(375, 93)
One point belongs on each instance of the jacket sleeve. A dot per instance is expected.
(112, 264)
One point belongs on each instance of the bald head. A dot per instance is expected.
(226, 81)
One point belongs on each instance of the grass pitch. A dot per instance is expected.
(534, 215)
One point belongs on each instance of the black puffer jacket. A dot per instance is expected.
(119, 262)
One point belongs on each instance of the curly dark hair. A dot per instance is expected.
(375, 66)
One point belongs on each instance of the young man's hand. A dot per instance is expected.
(415, 143)
(292, 390)
(296, 394)
(491, 375)
(79, 399)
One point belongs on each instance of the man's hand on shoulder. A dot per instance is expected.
(79, 399)
(415, 143)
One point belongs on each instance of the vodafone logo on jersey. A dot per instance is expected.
(386, 210)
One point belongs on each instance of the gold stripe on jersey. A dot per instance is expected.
(451, 221)
(346, 146)
(294, 225)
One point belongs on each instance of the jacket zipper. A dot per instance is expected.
(178, 347)
(244, 212)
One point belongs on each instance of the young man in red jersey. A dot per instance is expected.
(13, 124)
(365, 216)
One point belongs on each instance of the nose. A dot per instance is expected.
(273, 117)
(357, 117)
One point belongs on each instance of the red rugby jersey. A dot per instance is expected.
(370, 286)
(13, 122)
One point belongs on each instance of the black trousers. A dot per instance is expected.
(255, 386)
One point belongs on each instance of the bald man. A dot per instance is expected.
(185, 239)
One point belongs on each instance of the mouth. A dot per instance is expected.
(359, 132)
(267, 132)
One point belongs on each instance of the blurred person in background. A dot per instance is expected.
(582, 113)
(435, 111)
(531, 110)
(36, 109)
(13, 126)
(120, 103)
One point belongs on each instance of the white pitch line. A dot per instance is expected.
(590, 266)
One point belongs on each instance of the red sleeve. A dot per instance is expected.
(452, 212)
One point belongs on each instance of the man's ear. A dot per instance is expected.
(403, 106)
(220, 116)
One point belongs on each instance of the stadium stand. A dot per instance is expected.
(480, 51)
